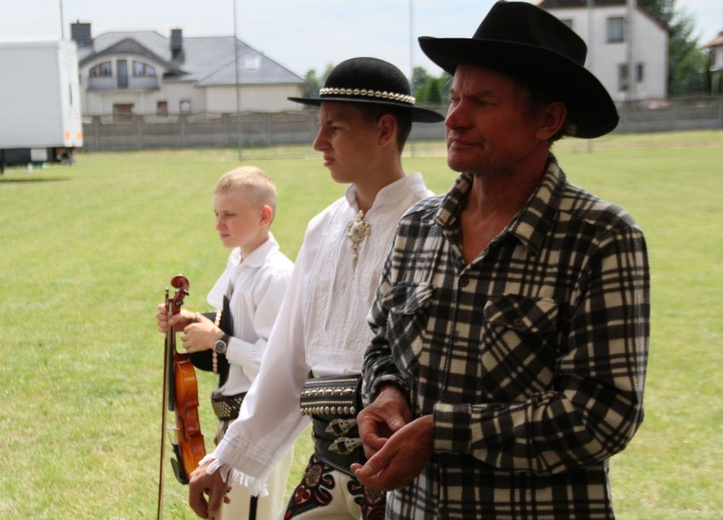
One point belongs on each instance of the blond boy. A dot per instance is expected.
(247, 297)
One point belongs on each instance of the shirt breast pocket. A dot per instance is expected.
(407, 306)
(518, 353)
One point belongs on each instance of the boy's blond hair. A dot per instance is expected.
(254, 182)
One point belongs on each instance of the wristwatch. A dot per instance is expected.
(221, 344)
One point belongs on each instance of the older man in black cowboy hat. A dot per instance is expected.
(512, 318)
(366, 114)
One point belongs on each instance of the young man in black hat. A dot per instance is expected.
(366, 114)
(512, 319)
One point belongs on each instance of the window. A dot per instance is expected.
(141, 69)
(616, 29)
(252, 63)
(162, 108)
(640, 73)
(122, 73)
(185, 106)
(716, 57)
(568, 22)
(102, 70)
(623, 77)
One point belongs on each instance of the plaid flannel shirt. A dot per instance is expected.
(531, 358)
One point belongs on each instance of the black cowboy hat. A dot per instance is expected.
(369, 80)
(528, 43)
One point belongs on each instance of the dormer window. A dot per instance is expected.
(101, 70)
(252, 63)
(141, 69)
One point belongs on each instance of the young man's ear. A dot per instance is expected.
(388, 129)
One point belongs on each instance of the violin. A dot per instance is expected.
(180, 395)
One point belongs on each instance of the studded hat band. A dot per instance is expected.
(375, 94)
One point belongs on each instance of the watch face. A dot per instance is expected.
(220, 346)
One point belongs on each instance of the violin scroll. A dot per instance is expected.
(180, 282)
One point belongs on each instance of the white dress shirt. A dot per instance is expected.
(259, 283)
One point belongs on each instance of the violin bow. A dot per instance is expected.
(173, 306)
(164, 418)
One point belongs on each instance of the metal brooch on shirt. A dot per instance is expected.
(357, 230)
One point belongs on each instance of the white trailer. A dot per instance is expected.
(40, 119)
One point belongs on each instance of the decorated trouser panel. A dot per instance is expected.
(327, 493)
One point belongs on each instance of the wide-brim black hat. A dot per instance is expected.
(528, 43)
(370, 80)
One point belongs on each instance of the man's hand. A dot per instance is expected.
(401, 457)
(387, 414)
(200, 484)
(397, 448)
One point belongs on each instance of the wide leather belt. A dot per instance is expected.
(333, 402)
(227, 407)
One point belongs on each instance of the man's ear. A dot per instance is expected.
(388, 129)
(552, 119)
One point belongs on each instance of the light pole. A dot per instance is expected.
(629, 35)
(411, 41)
(62, 23)
(411, 62)
(238, 86)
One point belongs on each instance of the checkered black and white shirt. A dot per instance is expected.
(531, 358)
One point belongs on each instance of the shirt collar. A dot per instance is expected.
(531, 224)
(389, 194)
(258, 256)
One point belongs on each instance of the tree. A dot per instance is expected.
(327, 71)
(419, 78)
(430, 93)
(445, 81)
(688, 65)
(430, 90)
(312, 83)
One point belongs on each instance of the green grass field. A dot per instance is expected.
(87, 251)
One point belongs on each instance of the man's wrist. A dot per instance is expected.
(390, 386)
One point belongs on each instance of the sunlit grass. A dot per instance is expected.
(87, 251)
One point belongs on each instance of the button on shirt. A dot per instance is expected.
(531, 358)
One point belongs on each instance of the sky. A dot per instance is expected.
(299, 34)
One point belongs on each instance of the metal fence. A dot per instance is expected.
(267, 129)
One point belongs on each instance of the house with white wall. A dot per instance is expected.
(144, 72)
(627, 45)
(715, 48)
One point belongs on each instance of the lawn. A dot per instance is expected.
(87, 252)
